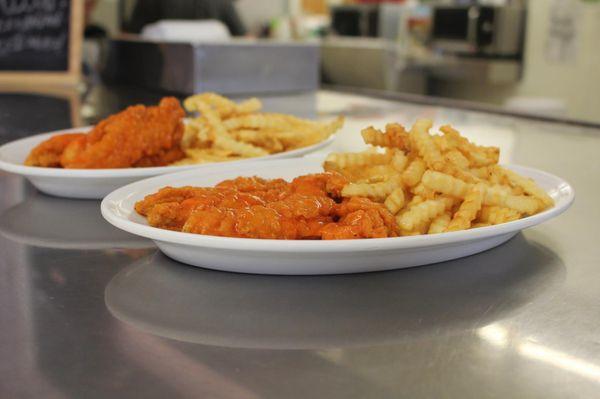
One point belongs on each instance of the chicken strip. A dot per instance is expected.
(138, 134)
(47, 153)
(253, 207)
(360, 218)
(136, 137)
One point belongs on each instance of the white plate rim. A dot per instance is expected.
(36, 171)
(323, 246)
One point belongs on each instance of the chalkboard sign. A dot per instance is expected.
(40, 41)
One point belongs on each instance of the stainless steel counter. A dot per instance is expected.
(87, 311)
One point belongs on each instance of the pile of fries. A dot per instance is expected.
(436, 183)
(226, 131)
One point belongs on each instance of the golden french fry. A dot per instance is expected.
(206, 155)
(445, 184)
(376, 173)
(467, 212)
(368, 157)
(239, 148)
(408, 233)
(248, 106)
(520, 203)
(439, 224)
(456, 158)
(354, 174)
(518, 191)
(212, 119)
(443, 143)
(303, 135)
(415, 200)
(459, 173)
(449, 201)
(197, 133)
(394, 137)
(399, 161)
(527, 186)
(395, 201)
(413, 173)
(483, 172)
(257, 121)
(222, 105)
(423, 191)
(372, 190)
(247, 135)
(420, 213)
(291, 139)
(422, 141)
(271, 144)
(329, 128)
(496, 215)
(478, 155)
(189, 136)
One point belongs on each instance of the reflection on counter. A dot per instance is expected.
(239, 310)
(51, 222)
(528, 347)
(21, 105)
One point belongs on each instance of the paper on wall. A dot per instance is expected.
(563, 31)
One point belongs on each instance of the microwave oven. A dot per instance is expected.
(479, 30)
(358, 20)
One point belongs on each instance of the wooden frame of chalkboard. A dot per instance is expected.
(31, 68)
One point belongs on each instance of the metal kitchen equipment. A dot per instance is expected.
(358, 20)
(236, 67)
(479, 30)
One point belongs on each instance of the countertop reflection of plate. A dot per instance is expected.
(96, 183)
(312, 256)
(168, 299)
(52, 222)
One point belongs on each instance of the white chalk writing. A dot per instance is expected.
(20, 42)
(17, 7)
(33, 25)
(32, 22)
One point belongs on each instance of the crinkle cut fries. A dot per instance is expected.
(436, 183)
(224, 130)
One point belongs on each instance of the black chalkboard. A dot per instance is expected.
(34, 35)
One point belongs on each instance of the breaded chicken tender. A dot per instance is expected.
(48, 152)
(139, 136)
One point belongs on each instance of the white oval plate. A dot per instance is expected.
(311, 256)
(96, 183)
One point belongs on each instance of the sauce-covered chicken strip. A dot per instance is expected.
(310, 207)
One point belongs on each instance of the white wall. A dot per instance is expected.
(577, 82)
(106, 14)
(254, 13)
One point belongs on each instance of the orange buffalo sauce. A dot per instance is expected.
(310, 207)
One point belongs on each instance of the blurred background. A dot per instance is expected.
(520, 56)
(531, 56)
